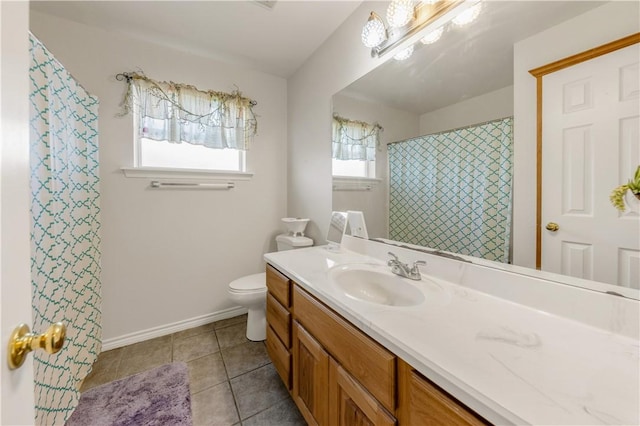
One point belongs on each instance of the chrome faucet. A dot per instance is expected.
(403, 270)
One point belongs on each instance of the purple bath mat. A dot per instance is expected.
(155, 397)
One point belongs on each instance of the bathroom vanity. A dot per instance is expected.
(466, 344)
(337, 375)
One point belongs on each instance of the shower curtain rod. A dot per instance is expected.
(454, 130)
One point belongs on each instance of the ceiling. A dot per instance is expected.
(466, 62)
(274, 40)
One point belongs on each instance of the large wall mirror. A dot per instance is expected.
(463, 81)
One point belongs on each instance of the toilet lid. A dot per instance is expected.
(250, 283)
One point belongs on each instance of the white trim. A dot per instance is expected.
(163, 330)
(171, 173)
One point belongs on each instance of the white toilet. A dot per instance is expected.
(251, 291)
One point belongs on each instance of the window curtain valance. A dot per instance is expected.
(354, 140)
(168, 111)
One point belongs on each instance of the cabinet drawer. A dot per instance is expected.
(366, 360)
(279, 318)
(280, 356)
(278, 285)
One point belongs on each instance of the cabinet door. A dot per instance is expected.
(423, 403)
(350, 404)
(310, 376)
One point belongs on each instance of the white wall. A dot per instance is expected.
(341, 60)
(167, 256)
(487, 107)
(594, 28)
(398, 125)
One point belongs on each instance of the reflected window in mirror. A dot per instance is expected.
(354, 168)
(354, 145)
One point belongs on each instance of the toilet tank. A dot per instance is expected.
(289, 242)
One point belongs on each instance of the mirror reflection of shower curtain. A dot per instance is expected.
(65, 211)
(452, 190)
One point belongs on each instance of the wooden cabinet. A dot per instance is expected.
(310, 377)
(325, 392)
(279, 318)
(423, 403)
(365, 359)
(350, 404)
(279, 286)
(339, 376)
(280, 355)
(279, 323)
(361, 379)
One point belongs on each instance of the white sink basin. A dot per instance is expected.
(375, 284)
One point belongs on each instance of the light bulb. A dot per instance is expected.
(404, 54)
(433, 36)
(373, 32)
(468, 16)
(399, 13)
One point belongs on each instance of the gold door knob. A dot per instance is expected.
(552, 226)
(22, 341)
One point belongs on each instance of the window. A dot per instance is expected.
(179, 126)
(354, 168)
(186, 156)
(354, 145)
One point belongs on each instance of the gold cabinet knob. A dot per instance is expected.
(552, 226)
(22, 341)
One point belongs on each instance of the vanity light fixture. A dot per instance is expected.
(467, 16)
(374, 32)
(407, 20)
(400, 13)
(404, 54)
(433, 36)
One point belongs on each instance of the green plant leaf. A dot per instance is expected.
(617, 197)
(634, 184)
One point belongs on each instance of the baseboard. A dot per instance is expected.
(139, 336)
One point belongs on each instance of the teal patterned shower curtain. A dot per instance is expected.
(452, 191)
(65, 216)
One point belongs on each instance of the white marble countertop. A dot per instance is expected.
(511, 363)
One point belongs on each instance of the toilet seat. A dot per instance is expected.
(256, 283)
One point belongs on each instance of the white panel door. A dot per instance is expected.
(590, 145)
(16, 398)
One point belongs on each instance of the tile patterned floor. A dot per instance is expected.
(232, 379)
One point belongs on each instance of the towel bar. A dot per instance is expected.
(191, 185)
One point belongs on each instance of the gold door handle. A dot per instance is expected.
(552, 226)
(22, 341)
